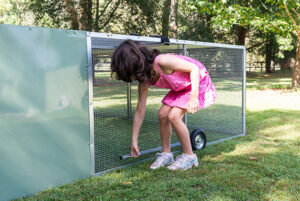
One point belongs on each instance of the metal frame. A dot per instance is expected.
(129, 108)
(91, 105)
(157, 40)
(152, 40)
(244, 92)
(128, 165)
(185, 54)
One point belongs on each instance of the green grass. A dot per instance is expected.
(113, 128)
(275, 80)
(263, 165)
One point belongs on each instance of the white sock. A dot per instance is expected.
(191, 156)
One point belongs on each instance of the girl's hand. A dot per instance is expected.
(135, 149)
(193, 105)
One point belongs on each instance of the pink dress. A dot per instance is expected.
(180, 85)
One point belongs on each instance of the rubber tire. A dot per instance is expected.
(193, 136)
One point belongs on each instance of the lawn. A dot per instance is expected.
(113, 128)
(263, 165)
(275, 80)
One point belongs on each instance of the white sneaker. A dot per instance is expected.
(184, 162)
(162, 160)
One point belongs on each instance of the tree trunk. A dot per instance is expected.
(242, 31)
(174, 18)
(241, 35)
(269, 46)
(296, 71)
(86, 18)
(96, 23)
(287, 63)
(100, 15)
(111, 15)
(73, 17)
(165, 18)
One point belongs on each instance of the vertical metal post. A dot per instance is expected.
(91, 106)
(129, 110)
(185, 53)
(244, 92)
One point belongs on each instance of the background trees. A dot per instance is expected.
(268, 28)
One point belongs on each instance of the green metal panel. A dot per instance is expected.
(44, 119)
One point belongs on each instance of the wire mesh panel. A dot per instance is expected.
(114, 101)
(113, 112)
(224, 118)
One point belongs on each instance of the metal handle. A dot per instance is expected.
(149, 151)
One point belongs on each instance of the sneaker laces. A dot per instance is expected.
(179, 160)
(160, 158)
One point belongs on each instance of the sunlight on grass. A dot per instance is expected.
(282, 190)
(264, 100)
(284, 132)
(263, 165)
(275, 80)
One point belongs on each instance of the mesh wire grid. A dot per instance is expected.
(113, 117)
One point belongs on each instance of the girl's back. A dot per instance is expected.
(180, 85)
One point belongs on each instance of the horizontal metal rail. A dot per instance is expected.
(149, 151)
(158, 40)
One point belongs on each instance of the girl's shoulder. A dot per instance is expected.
(162, 58)
(170, 59)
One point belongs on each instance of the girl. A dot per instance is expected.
(190, 89)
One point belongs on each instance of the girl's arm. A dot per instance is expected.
(170, 63)
(138, 118)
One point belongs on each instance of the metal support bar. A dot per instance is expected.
(91, 106)
(157, 40)
(129, 109)
(185, 53)
(244, 91)
(149, 151)
(130, 164)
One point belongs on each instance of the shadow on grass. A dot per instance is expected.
(227, 170)
(256, 122)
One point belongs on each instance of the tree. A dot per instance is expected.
(170, 18)
(243, 17)
(283, 8)
(174, 18)
(74, 14)
(141, 17)
(296, 71)
(188, 29)
(166, 18)
(14, 12)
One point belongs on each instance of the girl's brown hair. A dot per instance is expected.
(133, 61)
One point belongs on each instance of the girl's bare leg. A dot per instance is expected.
(165, 127)
(175, 118)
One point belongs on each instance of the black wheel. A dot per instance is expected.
(198, 139)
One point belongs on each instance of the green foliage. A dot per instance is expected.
(222, 21)
(190, 30)
(138, 17)
(265, 22)
(253, 14)
(48, 13)
(285, 48)
(14, 12)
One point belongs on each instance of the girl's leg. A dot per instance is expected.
(165, 127)
(175, 118)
